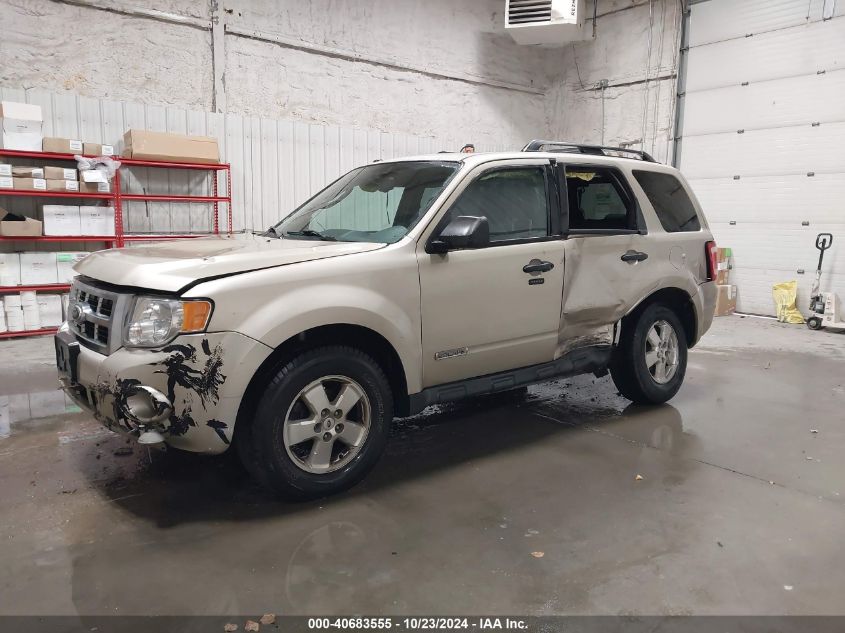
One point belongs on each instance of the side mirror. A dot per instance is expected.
(465, 231)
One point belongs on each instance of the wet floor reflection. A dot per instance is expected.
(431, 493)
(24, 407)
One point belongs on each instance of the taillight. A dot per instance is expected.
(710, 253)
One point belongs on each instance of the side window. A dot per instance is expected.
(513, 200)
(667, 195)
(596, 200)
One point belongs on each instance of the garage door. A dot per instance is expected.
(763, 138)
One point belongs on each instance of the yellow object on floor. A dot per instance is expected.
(785, 294)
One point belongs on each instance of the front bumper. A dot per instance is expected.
(203, 376)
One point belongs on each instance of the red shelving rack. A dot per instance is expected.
(41, 332)
(117, 197)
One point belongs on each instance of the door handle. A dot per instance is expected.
(537, 266)
(634, 256)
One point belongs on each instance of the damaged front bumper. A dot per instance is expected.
(189, 391)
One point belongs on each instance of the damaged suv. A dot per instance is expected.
(403, 284)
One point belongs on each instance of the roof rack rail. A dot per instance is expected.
(538, 145)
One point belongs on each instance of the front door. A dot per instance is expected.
(496, 308)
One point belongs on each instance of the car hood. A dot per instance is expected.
(171, 266)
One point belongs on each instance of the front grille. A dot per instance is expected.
(529, 11)
(92, 315)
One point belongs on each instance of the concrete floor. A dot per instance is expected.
(740, 509)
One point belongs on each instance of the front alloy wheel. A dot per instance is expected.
(326, 424)
(320, 425)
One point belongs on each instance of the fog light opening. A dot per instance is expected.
(147, 406)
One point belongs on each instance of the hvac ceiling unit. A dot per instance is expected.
(545, 22)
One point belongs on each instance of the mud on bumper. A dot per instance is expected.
(201, 376)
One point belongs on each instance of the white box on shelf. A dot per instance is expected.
(64, 265)
(20, 117)
(50, 309)
(10, 269)
(96, 220)
(28, 299)
(31, 318)
(11, 302)
(7, 182)
(61, 219)
(14, 319)
(93, 175)
(38, 268)
(20, 126)
(6, 169)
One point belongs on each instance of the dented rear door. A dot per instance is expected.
(610, 265)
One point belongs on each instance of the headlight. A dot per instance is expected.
(156, 321)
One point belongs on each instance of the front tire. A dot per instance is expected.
(814, 323)
(650, 362)
(321, 424)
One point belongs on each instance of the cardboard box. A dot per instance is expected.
(20, 126)
(96, 220)
(49, 310)
(65, 262)
(31, 318)
(95, 149)
(31, 184)
(7, 182)
(5, 169)
(95, 187)
(14, 319)
(28, 172)
(29, 299)
(22, 141)
(61, 219)
(11, 303)
(63, 185)
(170, 147)
(724, 264)
(725, 300)
(62, 145)
(38, 268)
(14, 225)
(10, 269)
(58, 173)
(20, 117)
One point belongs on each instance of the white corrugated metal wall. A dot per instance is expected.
(763, 135)
(276, 164)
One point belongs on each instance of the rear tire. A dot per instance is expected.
(650, 361)
(814, 323)
(321, 424)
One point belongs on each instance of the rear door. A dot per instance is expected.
(610, 266)
(483, 313)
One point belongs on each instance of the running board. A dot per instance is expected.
(583, 360)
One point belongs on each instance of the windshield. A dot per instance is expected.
(376, 203)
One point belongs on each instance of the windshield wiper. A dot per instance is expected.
(272, 231)
(311, 233)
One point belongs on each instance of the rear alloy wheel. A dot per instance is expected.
(650, 360)
(661, 352)
(321, 423)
